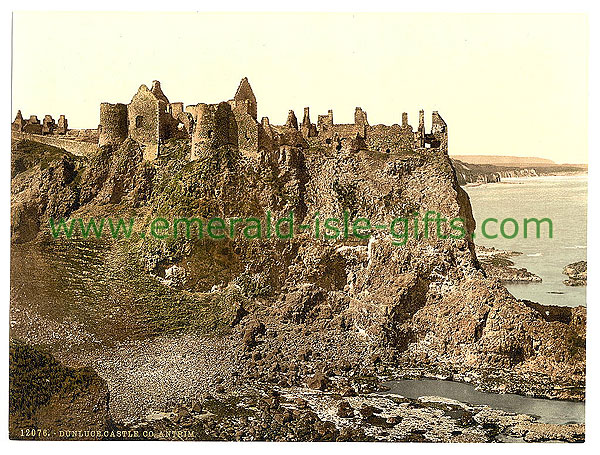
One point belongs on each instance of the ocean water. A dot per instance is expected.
(563, 199)
(547, 411)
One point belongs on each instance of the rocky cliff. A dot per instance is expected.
(361, 303)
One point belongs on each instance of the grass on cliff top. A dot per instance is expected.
(35, 376)
(27, 154)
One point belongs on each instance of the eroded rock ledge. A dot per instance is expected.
(498, 264)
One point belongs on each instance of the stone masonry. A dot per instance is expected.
(150, 119)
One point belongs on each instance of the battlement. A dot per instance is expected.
(150, 119)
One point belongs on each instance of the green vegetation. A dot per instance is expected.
(175, 149)
(346, 196)
(254, 285)
(27, 154)
(500, 261)
(229, 407)
(35, 376)
(161, 309)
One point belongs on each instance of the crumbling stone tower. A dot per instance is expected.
(292, 121)
(33, 125)
(113, 128)
(245, 96)
(150, 119)
(234, 124)
(439, 132)
(145, 116)
(18, 123)
(215, 127)
(63, 125)
(48, 125)
(244, 108)
(307, 128)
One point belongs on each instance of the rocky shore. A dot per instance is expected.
(498, 264)
(306, 415)
(340, 404)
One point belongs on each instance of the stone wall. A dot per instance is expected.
(75, 147)
(439, 132)
(143, 115)
(83, 135)
(383, 138)
(245, 93)
(150, 119)
(247, 128)
(33, 125)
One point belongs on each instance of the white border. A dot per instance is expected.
(509, 6)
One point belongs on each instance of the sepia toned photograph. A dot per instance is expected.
(298, 227)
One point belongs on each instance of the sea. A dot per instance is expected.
(562, 199)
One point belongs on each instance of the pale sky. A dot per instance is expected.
(505, 84)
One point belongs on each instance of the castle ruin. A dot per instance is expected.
(150, 119)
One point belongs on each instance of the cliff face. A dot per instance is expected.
(492, 173)
(425, 303)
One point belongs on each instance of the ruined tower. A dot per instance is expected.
(307, 128)
(325, 122)
(143, 119)
(147, 119)
(360, 120)
(215, 127)
(244, 108)
(245, 95)
(113, 128)
(158, 93)
(33, 125)
(18, 123)
(48, 125)
(439, 132)
(292, 121)
(150, 119)
(421, 129)
(63, 125)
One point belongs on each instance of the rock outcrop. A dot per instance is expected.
(577, 273)
(497, 264)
